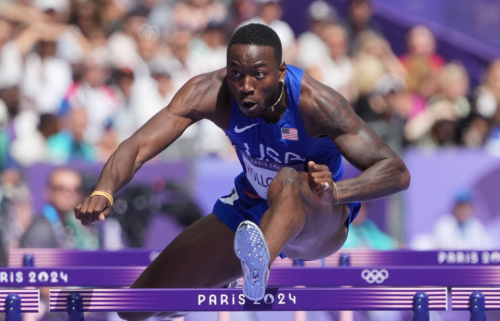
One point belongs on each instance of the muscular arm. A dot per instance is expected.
(383, 171)
(196, 100)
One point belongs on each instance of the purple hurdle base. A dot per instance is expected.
(276, 299)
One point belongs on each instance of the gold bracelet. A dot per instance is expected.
(337, 192)
(107, 195)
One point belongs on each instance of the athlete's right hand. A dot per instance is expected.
(92, 209)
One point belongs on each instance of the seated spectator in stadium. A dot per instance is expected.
(123, 43)
(421, 43)
(437, 125)
(422, 85)
(311, 47)
(11, 59)
(69, 144)
(487, 99)
(31, 147)
(57, 227)
(239, 11)
(46, 78)
(93, 95)
(16, 208)
(212, 46)
(195, 15)
(359, 20)
(334, 69)
(364, 234)
(372, 45)
(385, 110)
(183, 64)
(488, 93)
(270, 13)
(460, 229)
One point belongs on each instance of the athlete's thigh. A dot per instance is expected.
(201, 256)
(325, 228)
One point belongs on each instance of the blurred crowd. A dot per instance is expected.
(77, 77)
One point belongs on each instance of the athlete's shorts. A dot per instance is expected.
(245, 204)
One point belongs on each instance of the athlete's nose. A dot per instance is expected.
(247, 86)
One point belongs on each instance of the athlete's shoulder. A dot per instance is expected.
(317, 103)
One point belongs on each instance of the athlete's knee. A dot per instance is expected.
(286, 182)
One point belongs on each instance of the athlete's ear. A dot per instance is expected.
(282, 71)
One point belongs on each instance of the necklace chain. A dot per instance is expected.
(281, 95)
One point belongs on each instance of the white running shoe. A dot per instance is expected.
(251, 248)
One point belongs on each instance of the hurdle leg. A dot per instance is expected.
(13, 307)
(75, 307)
(421, 307)
(477, 306)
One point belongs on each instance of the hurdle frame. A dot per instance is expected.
(16, 302)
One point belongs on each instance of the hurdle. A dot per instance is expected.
(463, 276)
(476, 300)
(13, 303)
(419, 300)
(66, 257)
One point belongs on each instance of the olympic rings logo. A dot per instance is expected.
(374, 275)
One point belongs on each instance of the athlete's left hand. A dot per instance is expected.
(321, 182)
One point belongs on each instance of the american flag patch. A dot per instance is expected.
(289, 133)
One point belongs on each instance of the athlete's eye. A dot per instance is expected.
(235, 73)
(259, 74)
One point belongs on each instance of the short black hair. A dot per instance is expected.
(259, 35)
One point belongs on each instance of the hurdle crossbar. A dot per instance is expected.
(312, 277)
(276, 299)
(66, 257)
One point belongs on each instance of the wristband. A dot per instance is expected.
(107, 195)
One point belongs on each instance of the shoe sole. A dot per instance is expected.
(251, 248)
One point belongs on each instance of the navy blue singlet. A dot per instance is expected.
(264, 148)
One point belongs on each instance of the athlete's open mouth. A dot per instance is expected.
(248, 104)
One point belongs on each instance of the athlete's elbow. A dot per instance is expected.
(403, 176)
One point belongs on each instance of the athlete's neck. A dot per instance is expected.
(274, 115)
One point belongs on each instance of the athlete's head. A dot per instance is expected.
(254, 68)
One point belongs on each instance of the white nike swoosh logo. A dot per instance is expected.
(241, 130)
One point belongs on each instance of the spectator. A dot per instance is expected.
(94, 95)
(70, 144)
(15, 209)
(437, 126)
(385, 109)
(57, 227)
(422, 85)
(212, 47)
(421, 43)
(195, 15)
(359, 20)
(311, 45)
(46, 78)
(239, 12)
(123, 44)
(270, 13)
(461, 230)
(488, 93)
(32, 147)
(334, 69)
(10, 56)
(364, 234)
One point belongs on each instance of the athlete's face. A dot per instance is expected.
(253, 77)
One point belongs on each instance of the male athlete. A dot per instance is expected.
(290, 133)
